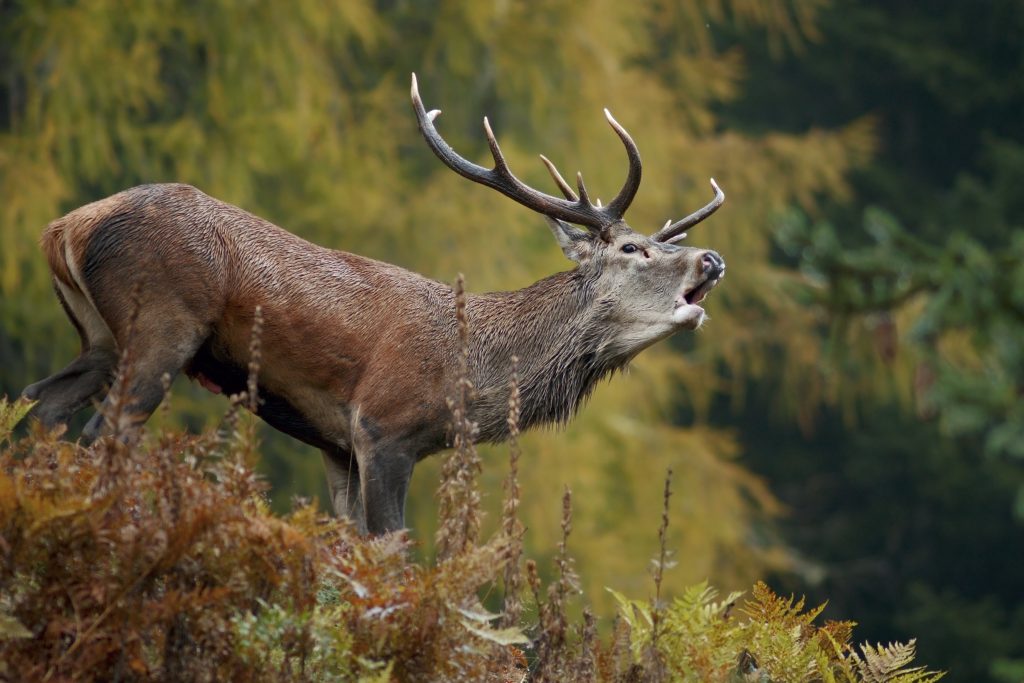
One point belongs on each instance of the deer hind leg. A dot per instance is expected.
(343, 483)
(66, 392)
(73, 388)
(166, 338)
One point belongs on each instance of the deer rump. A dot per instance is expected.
(357, 356)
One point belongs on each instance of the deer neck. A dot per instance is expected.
(555, 329)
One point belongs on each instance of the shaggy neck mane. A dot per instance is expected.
(559, 336)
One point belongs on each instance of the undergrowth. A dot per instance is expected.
(154, 556)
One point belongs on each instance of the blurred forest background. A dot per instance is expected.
(850, 423)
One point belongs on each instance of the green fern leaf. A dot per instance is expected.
(11, 413)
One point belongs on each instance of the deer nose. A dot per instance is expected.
(713, 264)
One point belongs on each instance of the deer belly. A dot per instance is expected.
(223, 377)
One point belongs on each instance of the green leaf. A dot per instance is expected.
(11, 413)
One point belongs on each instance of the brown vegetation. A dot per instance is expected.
(154, 557)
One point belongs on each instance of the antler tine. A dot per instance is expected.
(559, 180)
(441, 148)
(500, 178)
(673, 230)
(624, 198)
(584, 197)
(499, 159)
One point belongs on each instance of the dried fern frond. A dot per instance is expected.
(889, 664)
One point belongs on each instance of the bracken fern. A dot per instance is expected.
(168, 565)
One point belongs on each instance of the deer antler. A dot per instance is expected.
(579, 211)
(675, 231)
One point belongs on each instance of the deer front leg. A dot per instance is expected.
(384, 479)
(343, 483)
(385, 469)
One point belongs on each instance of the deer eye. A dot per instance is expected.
(629, 248)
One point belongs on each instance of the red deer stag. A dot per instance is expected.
(358, 356)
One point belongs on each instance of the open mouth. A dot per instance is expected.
(695, 295)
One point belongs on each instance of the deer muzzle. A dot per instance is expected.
(713, 265)
(687, 312)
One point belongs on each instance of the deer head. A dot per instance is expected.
(649, 286)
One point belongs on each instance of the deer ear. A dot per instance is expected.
(576, 244)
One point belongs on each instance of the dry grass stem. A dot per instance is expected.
(255, 357)
(459, 498)
(512, 605)
(654, 662)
